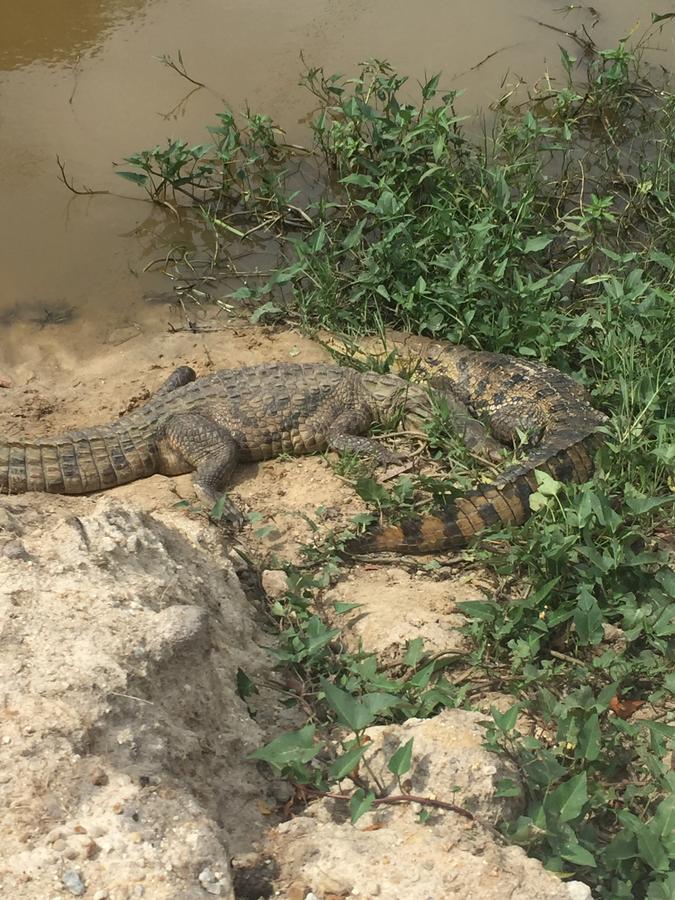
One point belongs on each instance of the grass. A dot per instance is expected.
(547, 232)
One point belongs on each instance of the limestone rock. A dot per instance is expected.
(396, 606)
(123, 741)
(449, 763)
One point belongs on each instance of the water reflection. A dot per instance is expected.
(53, 31)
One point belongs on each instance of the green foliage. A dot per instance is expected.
(360, 804)
(290, 752)
(589, 571)
(400, 762)
(584, 814)
(433, 228)
(543, 243)
(350, 692)
(578, 797)
(241, 170)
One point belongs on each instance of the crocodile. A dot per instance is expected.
(206, 425)
(512, 396)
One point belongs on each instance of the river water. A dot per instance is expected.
(81, 80)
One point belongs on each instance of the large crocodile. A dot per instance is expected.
(513, 396)
(206, 425)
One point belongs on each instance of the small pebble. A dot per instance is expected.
(244, 861)
(7, 739)
(211, 882)
(15, 550)
(59, 844)
(98, 776)
(206, 876)
(281, 791)
(72, 881)
(579, 891)
(54, 835)
(118, 808)
(274, 583)
(135, 837)
(101, 895)
(90, 849)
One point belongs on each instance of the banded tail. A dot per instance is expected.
(77, 462)
(92, 459)
(503, 502)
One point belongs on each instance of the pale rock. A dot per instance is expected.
(579, 891)
(390, 854)
(99, 705)
(274, 582)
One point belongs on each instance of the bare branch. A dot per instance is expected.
(179, 67)
(69, 184)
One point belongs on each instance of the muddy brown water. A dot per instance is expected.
(80, 79)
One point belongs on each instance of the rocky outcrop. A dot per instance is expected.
(122, 737)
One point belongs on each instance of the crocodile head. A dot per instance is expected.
(392, 397)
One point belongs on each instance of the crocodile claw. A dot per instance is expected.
(221, 508)
(386, 457)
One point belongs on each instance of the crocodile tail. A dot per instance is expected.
(76, 463)
(504, 502)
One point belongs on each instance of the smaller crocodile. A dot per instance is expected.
(512, 396)
(206, 425)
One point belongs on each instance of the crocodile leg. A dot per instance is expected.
(193, 441)
(179, 377)
(512, 419)
(346, 436)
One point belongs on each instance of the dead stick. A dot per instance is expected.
(69, 184)
(401, 798)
